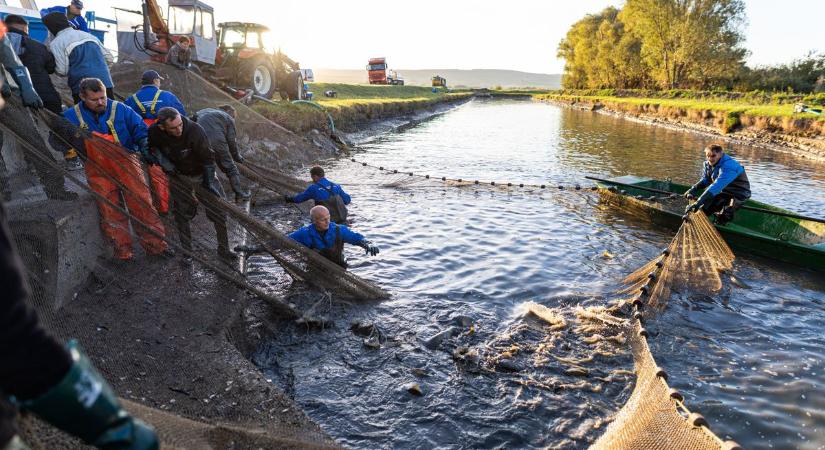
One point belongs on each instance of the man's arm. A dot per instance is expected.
(351, 237)
(173, 58)
(136, 126)
(308, 194)
(231, 140)
(301, 236)
(727, 173)
(81, 24)
(174, 102)
(48, 60)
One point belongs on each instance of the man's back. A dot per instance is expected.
(215, 123)
(40, 62)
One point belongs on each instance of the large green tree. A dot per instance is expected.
(688, 43)
(598, 53)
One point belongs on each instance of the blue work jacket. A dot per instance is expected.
(78, 23)
(127, 127)
(152, 99)
(318, 192)
(308, 236)
(726, 175)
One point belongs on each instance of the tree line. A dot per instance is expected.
(675, 44)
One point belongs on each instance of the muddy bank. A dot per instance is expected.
(803, 137)
(354, 115)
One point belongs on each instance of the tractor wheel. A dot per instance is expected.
(263, 80)
(294, 88)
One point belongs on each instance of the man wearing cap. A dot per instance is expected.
(73, 14)
(78, 55)
(147, 101)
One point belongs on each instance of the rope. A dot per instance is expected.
(467, 182)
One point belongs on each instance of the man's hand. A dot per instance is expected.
(145, 154)
(27, 92)
(288, 199)
(209, 180)
(369, 247)
(239, 158)
(699, 203)
(691, 193)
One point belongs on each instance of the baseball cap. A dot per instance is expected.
(149, 76)
(77, 4)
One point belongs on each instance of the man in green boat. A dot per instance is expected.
(725, 183)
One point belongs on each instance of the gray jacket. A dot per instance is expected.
(220, 129)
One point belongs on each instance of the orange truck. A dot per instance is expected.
(379, 74)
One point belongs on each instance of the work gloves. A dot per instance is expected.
(238, 158)
(27, 92)
(84, 405)
(209, 180)
(699, 203)
(145, 154)
(369, 247)
(691, 193)
(288, 199)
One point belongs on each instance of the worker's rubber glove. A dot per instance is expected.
(145, 154)
(699, 203)
(209, 180)
(163, 161)
(288, 199)
(27, 92)
(369, 247)
(239, 158)
(5, 89)
(84, 405)
(691, 193)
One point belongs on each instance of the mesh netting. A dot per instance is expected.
(654, 416)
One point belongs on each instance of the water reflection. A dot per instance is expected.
(745, 358)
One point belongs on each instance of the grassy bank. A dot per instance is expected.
(355, 104)
(725, 111)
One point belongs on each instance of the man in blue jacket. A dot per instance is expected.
(725, 183)
(78, 55)
(325, 193)
(327, 238)
(73, 13)
(113, 169)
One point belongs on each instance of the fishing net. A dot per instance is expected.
(61, 246)
(655, 415)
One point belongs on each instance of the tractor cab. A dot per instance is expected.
(195, 19)
(244, 60)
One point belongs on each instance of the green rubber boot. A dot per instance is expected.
(84, 405)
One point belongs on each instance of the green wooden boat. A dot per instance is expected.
(757, 228)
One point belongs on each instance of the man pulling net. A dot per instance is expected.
(726, 186)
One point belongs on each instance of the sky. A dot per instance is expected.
(464, 34)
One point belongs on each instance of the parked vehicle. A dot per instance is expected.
(234, 56)
(439, 81)
(378, 73)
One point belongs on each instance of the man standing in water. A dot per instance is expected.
(725, 183)
(327, 238)
(325, 193)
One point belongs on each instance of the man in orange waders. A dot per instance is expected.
(147, 101)
(113, 169)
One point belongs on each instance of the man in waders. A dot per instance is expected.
(147, 101)
(119, 136)
(725, 183)
(60, 385)
(182, 149)
(324, 193)
(327, 237)
(219, 125)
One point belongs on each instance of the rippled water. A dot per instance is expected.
(750, 359)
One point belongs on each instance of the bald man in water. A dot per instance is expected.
(327, 238)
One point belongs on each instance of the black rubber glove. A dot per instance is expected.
(239, 158)
(288, 199)
(209, 180)
(370, 249)
(145, 154)
(691, 193)
(697, 205)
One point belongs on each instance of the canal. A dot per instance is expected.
(465, 263)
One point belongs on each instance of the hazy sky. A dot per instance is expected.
(464, 34)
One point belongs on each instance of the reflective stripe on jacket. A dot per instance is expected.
(149, 100)
(124, 125)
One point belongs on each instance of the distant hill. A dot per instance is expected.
(475, 78)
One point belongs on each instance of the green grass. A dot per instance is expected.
(736, 107)
(369, 92)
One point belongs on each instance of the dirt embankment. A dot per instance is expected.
(803, 136)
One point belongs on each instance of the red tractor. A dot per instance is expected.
(234, 57)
